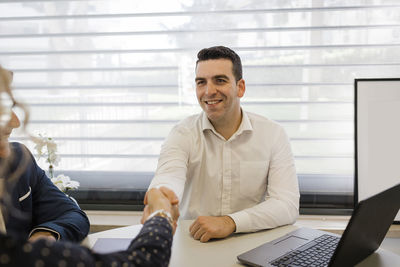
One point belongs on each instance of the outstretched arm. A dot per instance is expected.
(173, 161)
(151, 247)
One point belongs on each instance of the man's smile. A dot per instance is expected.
(212, 102)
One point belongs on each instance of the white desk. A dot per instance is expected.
(222, 253)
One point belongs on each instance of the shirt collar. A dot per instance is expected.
(205, 123)
(244, 126)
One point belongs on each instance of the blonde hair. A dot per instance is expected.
(9, 177)
(5, 87)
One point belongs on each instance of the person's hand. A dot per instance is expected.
(168, 193)
(175, 216)
(41, 235)
(173, 199)
(206, 227)
(162, 198)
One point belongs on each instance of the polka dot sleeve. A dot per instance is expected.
(152, 247)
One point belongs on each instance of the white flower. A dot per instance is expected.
(53, 158)
(47, 142)
(65, 183)
(39, 147)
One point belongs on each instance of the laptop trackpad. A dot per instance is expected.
(272, 250)
(290, 243)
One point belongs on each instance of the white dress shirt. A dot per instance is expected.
(251, 177)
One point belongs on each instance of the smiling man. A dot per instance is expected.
(232, 170)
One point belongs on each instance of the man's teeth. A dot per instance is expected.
(212, 102)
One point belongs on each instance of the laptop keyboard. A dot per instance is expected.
(318, 252)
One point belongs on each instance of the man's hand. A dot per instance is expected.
(168, 193)
(41, 235)
(162, 198)
(206, 227)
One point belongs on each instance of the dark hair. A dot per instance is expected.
(218, 52)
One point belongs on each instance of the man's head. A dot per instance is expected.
(220, 52)
(219, 88)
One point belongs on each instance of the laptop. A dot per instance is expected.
(363, 235)
(110, 245)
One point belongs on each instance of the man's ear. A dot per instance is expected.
(241, 85)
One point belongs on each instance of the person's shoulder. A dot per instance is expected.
(191, 120)
(17, 147)
(19, 150)
(188, 124)
(22, 160)
(258, 120)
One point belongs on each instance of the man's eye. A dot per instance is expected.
(220, 80)
(199, 82)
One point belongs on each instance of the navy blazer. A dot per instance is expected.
(38, 204)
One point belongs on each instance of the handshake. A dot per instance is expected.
(161, 199)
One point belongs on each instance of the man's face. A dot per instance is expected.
(217, 91)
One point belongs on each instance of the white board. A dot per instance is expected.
(377, 135)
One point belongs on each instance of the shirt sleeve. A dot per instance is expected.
(281, 203)
(173, 161)
(152, 247)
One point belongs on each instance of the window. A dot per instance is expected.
(108, 79)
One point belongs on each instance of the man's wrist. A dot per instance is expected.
(230, 222)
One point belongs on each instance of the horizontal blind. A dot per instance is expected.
(108, 79)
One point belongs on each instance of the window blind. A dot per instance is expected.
(108, 79)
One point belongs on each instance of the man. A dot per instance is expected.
(233, 171)
(38, 208)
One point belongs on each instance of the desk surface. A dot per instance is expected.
(189, 252)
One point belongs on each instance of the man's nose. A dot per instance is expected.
(14, 121)
(211, 89)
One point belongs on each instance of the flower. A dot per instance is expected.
(51, 147)
(64, 183)
(46, 147)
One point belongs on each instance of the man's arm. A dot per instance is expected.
(173, 162)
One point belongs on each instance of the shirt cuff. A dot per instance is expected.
(43, 229)
(242, 221)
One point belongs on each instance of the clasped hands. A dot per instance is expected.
(161, 199)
